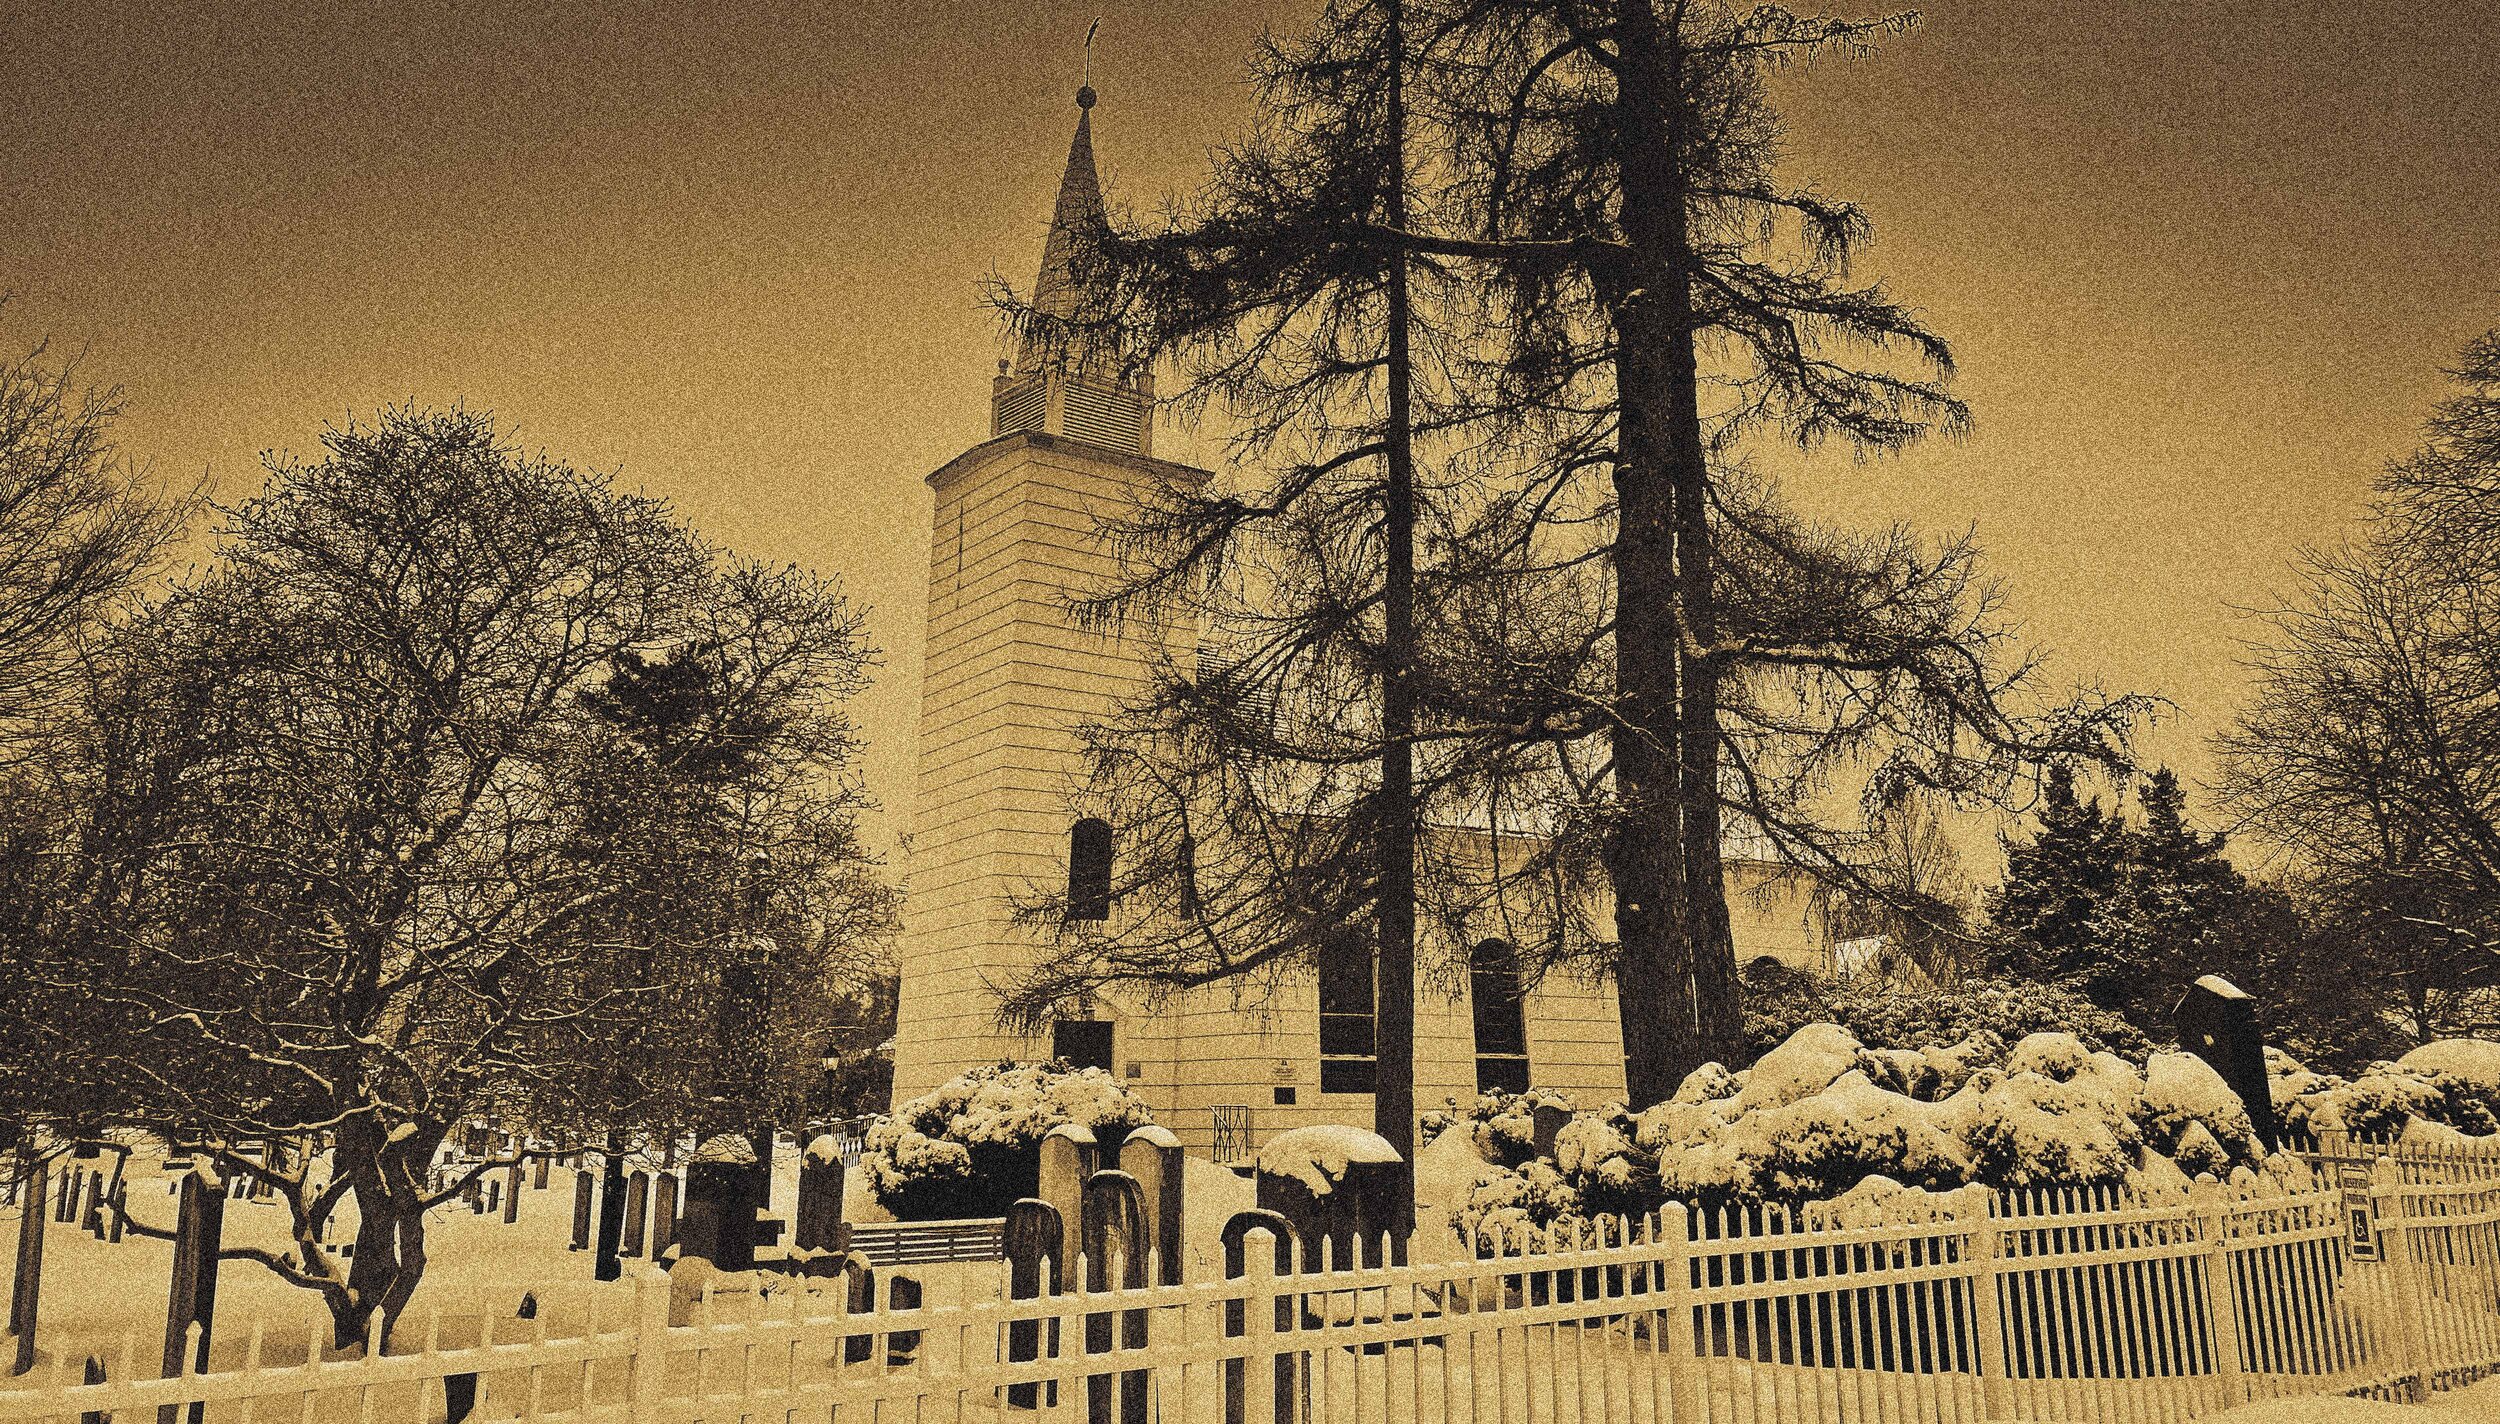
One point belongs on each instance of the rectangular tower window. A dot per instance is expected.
(1348, 997)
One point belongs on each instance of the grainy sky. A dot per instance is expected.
(2200, 259)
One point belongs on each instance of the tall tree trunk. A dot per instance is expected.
(1393, 1102)
(1677, 965)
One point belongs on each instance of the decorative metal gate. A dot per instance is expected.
(1232, 1133)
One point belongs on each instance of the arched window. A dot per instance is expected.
(1089, 869)
(1349, 1059)
(1501, 1018)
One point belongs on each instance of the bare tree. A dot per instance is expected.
(327, 871)
(80, 524)
(2371, 749)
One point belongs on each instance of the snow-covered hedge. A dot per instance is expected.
(1822, 1117)
(1780, 1002)
(2454, 1083)
(973, 1147)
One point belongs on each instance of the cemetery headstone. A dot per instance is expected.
(1152, 1154)
(512, 1194)
(718, 1224)
(663, 1213)
(538, 1175)
(2217, 1022)
(604, 1264)
(1030, 1238)
(1070, 1156)
(26, 1289)
(1115, 1236)
(93, 1373)
(199, 1227)
(637, 1212)
(581, 1211)
(818, 1223)
(1545, 1123)
(1234, 1238)
(1339, 1185)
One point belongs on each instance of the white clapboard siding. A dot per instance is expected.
(1981, 1307)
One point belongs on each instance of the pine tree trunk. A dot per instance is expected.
(1676, 976)
(1393, 1102)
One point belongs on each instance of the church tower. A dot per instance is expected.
(1007, 678)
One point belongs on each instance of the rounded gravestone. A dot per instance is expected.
(1339, 1185)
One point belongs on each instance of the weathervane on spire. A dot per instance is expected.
(1085, 89)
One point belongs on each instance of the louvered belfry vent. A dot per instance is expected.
(1018, 409)
(1103, 417)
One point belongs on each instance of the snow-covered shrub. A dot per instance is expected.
(1805, 1063)
(1439, 1120)
(1885, 1018)
(2183, 1093)
(2032, 1131)
(1505, 1123)
(973, 1146)
(2474, 1060)
(1823, 1144)
(1514, 1207)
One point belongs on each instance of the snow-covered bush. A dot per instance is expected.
(2183, 1094)
(2453, 1083)
(1505, 1123)
(1516, 1207)
(2031, 1130)
(1889, 1018)
(972, 1147)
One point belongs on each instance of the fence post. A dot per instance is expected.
(650, 1367)
(1258, 1326)
(2402, 1281)
(1676, 1305)
(1987, 1254)
(2222, 1297)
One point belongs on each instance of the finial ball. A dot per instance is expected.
(1085, 96)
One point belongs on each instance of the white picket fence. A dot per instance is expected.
(2062, 1308)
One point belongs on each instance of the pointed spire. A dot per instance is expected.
(1078, 210)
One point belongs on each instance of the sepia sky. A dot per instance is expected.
(2200, 260)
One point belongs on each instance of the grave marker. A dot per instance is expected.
(2217, 1022)
(26, 1291)
(1031, 1240)
(637, 1212)
(663, 1213)
(199, 1226)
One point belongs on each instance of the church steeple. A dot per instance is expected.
(1077, 213)
(1058, 384)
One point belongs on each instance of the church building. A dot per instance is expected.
(1008, 679)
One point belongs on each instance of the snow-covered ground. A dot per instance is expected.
(110, 1299)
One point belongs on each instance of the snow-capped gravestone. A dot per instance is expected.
(1152, 1154)
(2217, 1022)
(1070, 1157)
(1338, 1185)
(721, 1201)
(816, 1226)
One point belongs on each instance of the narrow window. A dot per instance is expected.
(1501, 1018)
(1089, 870)
(1348, 1060)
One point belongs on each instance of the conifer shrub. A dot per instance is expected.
(974, 1146)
